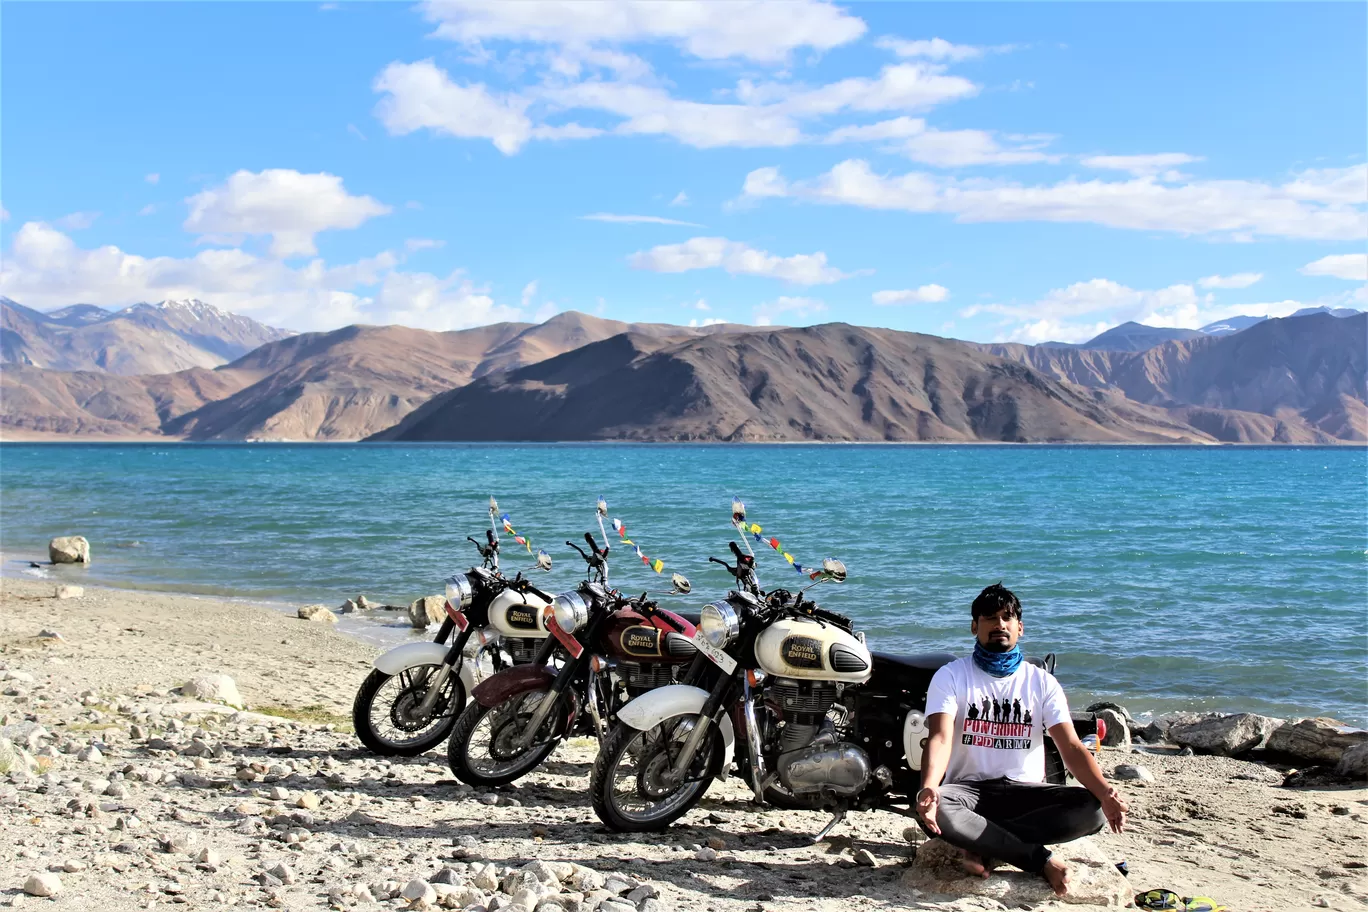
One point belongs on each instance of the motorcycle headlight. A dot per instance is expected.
(570, 611)
(459, 592)
(718, 624)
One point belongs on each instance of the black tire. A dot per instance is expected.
(476, 770)
(422, 738)
(679, 802)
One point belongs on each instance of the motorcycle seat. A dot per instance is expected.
(921, 661)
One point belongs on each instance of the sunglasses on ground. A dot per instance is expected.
(1168, 901)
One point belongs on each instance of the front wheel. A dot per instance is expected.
(629, 785)
(386, 717)
(484, 749)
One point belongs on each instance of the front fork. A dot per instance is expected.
(450, 663)
(713, 706)
(564, 677)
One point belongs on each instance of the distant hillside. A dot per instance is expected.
(831, 382)
(142, 339)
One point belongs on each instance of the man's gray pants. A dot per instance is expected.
(1014, 821)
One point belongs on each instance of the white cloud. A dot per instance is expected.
(681, 199)
(899, 87)
(764, 31)
(632, 219)
(1353, 266)
(4, 214)
(737, 258)
(897, 128)
(354, 130)
(415, 244)
(1054, 331)
(1238, 280)
(528, 293)
(707, 321)
(77, 221)
(1315, 205)
(701, 304)
(926, 294)
(934, 49)
(148, 209)
(421, 95)
(44, 268)
(289, 206)
(1141, 165)
(766, 313)
(153, 178)
(944, 148)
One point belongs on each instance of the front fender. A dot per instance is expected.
(511, 682)
(410, 655)
(655, 706)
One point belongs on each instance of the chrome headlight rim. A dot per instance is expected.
(459, 592)
(718, 624)
(570, 611)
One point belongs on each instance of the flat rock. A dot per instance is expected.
(1093, 877)
(69, 592)
(1317, 740)
(1130, 771)
(1228, 736)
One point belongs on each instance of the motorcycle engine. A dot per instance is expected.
(812, 759)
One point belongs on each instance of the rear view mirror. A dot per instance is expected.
(681, 583)
(602, 507)
(835, 570)
(543, 560)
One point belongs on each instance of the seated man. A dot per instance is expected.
(986, 717)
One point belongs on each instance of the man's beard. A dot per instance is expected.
(997, 645)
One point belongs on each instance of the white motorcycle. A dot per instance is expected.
(410, 701)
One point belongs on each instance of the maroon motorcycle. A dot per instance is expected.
(607, 649)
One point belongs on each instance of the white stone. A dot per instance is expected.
(214, 688)
(319, 613)
(430, 609)
(43, 884)
(69, 549)
(1093, 878)
(69, 592)
(419, 890)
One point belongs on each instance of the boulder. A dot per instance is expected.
(430, 609)
(1093, 878)
(65, 592)
(1228, 736)
(214, 688)
(43, 884)
(1317, 740)
(347, 607)
(69, 549)
(1118, 732)
(362, 602)
(319, 613)
(1354, 762)
(15, 759)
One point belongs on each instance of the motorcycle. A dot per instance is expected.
(823, 721)
(409, 702)
(611, 649)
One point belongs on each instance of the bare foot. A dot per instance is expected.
(973, 864)
(1057, 873)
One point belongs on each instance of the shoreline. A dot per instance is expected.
(1041, 444)
(1208, 825)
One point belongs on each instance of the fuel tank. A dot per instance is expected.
(630, 637)
(518, 614)
(802, 648)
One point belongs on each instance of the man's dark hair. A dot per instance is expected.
(994, 599)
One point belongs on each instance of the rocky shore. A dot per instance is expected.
(127, 780)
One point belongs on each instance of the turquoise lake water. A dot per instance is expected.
(1164, 578)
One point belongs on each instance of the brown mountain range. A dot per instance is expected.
(576, 377)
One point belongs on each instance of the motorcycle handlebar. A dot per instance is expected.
(718, 560)
(586, 557)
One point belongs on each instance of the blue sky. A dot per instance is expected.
(989, 172)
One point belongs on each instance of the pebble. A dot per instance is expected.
(282, 872)
(90, 754)
(419, 890)
(706, 854)
(47, 884)
(866, 858)
(72, 866)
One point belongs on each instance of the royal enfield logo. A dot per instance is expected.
(522, 618)
(802, 652)
(641, 641)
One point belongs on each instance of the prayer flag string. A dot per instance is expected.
(525, 541)
(654, 563)
(754, 530)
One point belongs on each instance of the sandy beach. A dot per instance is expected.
(190, 803)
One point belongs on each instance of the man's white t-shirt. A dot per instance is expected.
(1000, 723)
